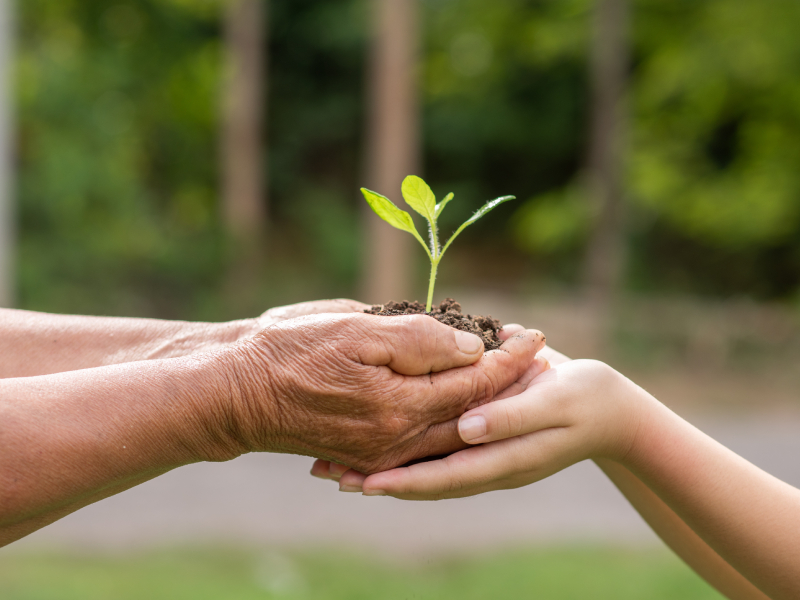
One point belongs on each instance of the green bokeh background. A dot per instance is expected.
(558, 574)
(117, 142)
(118, 109)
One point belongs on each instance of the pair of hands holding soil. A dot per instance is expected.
(368, 392)
(531, 423)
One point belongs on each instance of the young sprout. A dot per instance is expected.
(419, 196)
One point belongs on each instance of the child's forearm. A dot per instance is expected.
(745, 515)
(679, 537)
(671, 529)
(33, 343)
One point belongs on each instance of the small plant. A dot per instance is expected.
(419, 196)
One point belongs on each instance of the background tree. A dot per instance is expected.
(7, 213)
(118, 149)
(609, 62)
(392, 150)
(244, 187)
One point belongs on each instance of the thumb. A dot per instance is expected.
(536, 408)
(418, 345)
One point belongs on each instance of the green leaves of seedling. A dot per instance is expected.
(443, 203)
(418, 195)
(394, 216)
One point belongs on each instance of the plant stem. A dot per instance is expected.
(434, 268)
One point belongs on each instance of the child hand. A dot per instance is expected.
(578, 410)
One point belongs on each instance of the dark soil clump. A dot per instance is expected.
(449, 313)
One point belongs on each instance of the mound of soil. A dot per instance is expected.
(449, 313)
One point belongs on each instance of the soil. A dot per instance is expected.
(448, 312)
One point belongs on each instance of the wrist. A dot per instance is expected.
(188, 338)
(246, 413)
(231, 332)
(643, 413)
(623, 410)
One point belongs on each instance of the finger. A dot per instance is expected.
(320, 469)
(465, 473)
(505, 464)
(535, 409)
(352, 481)
(537, 367)
(447, 395)
(508, 330)
(438, 440)
(335, 471)
(415, 344)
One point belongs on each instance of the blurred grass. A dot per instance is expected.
(198, 574)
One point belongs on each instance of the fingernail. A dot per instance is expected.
(468, 343)
(374, 493)
(349, 488)
(472, 428)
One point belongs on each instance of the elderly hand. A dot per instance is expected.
(365, 391)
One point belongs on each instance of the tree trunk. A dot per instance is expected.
(7, 220)
(392, 144)
(243, 157)
(605, 260)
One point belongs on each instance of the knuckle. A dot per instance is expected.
(511, 421)
(423, 326)
(453, 485)
(482, 389)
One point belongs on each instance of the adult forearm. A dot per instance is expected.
(33, 343)
(70, 439)
(679, 536)
(748, 517)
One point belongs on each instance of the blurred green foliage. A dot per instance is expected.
(560, 574)
(118, 106)
(716, 142)
(117, 129)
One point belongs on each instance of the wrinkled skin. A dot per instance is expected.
(361, 390)
(351, 480)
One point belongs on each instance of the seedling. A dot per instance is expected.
(419, 196)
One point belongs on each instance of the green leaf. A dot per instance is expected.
(480, 213)
(442, 204)
(394, 216)
(419, 196)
